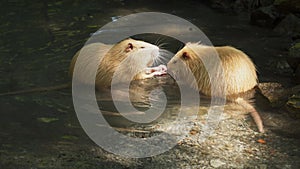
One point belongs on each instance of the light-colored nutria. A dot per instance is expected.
(239, 72)
(139, 56)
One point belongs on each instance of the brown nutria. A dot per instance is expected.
(139, 57)
(140, 54)
(239, 72)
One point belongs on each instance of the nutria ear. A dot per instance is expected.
(185, 55)
(129, 47)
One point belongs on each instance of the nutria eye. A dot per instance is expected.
(142, 47)
(185, 55)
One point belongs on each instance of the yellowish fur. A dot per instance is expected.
(232, 73)
(239, 72)
(110, 58)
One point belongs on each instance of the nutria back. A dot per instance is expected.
(240, 72)
(232, 66)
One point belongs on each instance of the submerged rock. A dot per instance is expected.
(264, 16)
(220, 5)
(290, 25)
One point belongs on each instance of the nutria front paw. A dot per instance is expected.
(156, 71)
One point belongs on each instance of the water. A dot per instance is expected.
(38, 40)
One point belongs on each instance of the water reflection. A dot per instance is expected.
(142, 98)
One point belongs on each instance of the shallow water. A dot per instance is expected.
(158, 99)
(38, 40)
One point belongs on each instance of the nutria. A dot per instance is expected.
(239, 72)
(139, 57)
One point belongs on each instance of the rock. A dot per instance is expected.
(238, 6)
(254, 4)
(293, 60)
(297, 74)
(294, 56)
(290, 25)
(221, 5)
(216, 163)
(294, 52)
(266, 2)
(274, 92)
(229, 5)
(286, 99)
(287, 6)
(249, 5)
(282, 66)
(279, 66)
(264, 16)
(293, 105)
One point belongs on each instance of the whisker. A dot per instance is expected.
(154, 62)
(163, 45)
(166, 53)
(164, 57)
(157, 42)
(157, 61)
(160, 42)
(160, 39)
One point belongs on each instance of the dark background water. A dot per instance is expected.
(37, 42)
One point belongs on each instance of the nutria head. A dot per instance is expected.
(188, 65)
(138, 53)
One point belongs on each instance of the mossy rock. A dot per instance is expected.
(295, 50)
(293, 105)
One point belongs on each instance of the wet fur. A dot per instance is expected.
(109, 57)
(239, 73)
